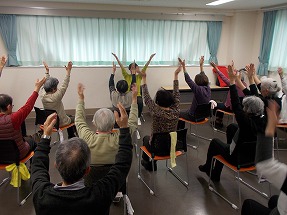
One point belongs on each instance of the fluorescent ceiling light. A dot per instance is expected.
(218, 2)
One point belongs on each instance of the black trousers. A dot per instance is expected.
(253, 207)
(217, 147)
(140, 105)
(148, 146)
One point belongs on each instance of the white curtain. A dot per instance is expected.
(90, 41)
(279, 44)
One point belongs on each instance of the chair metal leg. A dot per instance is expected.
(18, 191)
(185, 183)
(24, 200)
(135, 142)
(212, 189)
(142, 117)
(197, 136)
(140, 177)
(240, 180)
(5, 180)
(252, 188)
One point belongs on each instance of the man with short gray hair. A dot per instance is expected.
(71, 196)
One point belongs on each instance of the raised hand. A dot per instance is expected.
(201, 60)
(39, 84)
(49, 124)
(250, 69)
(182, 63)
(123, 120)
(81, 89)
(280, 72)
(232, 64)
(46, 67)
(178, 70)
(69, 67)
(232, 74)
(152, 55)
(3, 61)
(115, 55)
(114, 68)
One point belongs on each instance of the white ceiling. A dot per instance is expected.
(200, 4)
(144, 6)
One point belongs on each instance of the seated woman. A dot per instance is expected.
(250, 119)
(268, 87)
(120, 93)
(23, 125)
(200, 88)
(52, 98)
(164, 111)
(226, 106)
(10, 122)
(274, 171)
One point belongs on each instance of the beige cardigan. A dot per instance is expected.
(104, 147)
(53, 101)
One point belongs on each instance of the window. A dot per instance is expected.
(90, 41)
(279, 43)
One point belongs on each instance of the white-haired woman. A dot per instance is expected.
(250, 120)
(268, 87)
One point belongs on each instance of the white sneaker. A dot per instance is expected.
(118, 197)
(138, 134)
(139, 121)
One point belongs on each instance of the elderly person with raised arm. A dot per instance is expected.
(52, 98)
(270, 168)
(10, 122)
(226, 106)
(23, 125)
(128, 78)
(250, 120)
(120, 92)
(164, 110)
(73, 158)
(200, 88)
(102, 140)
(268, 87)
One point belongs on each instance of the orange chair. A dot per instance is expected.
(181, 149)
(202, 115)
(245, 164)
(9, 154)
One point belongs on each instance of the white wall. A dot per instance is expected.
(240, 42)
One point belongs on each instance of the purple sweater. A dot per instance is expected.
(202, 94)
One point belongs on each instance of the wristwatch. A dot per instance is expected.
(46, 137)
